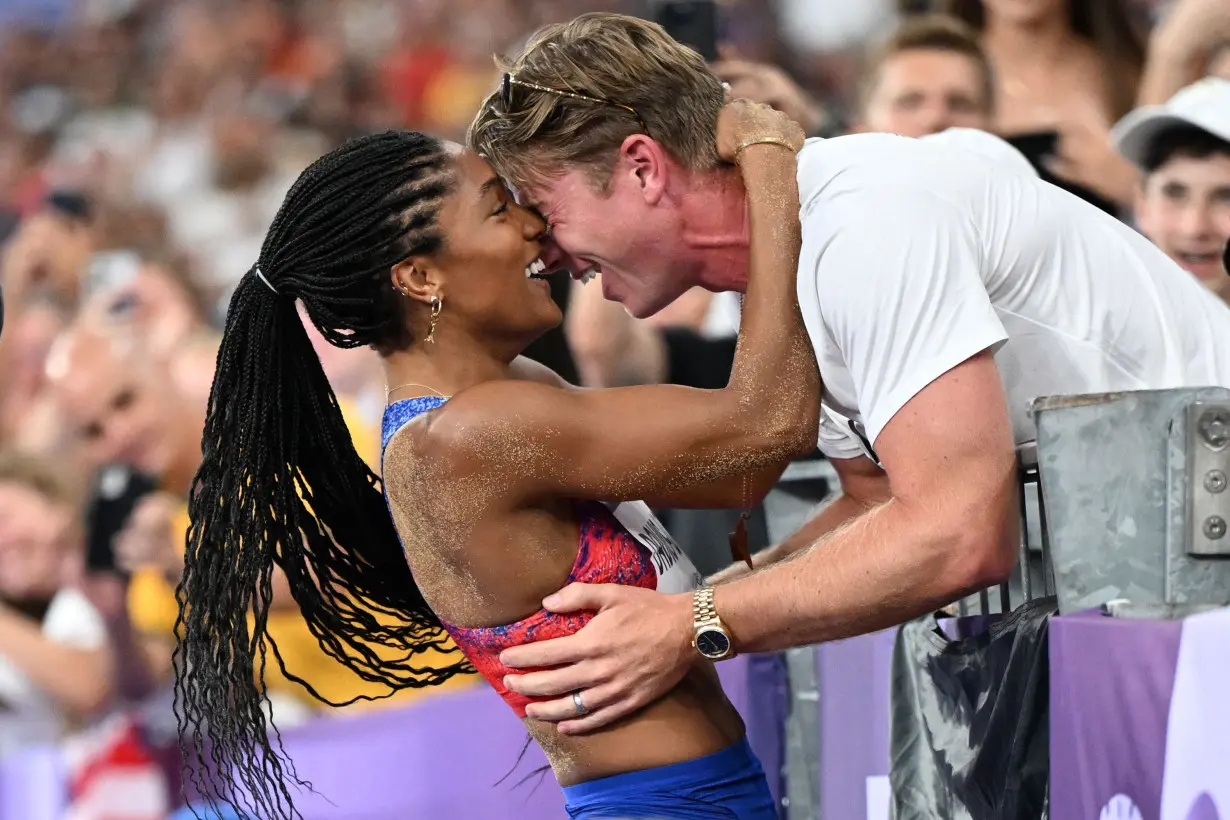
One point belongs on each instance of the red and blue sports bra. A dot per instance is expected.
(619, 544)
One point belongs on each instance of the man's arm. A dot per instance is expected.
(863, 486)
(949, 528)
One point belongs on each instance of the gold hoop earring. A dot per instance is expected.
(437, 304)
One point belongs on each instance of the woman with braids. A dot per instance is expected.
(415, 247)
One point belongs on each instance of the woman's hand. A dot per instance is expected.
(768, 84)
(743, 120)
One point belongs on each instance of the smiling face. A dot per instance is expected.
(1184, 208)
(631, 235)
(591, 162)
(489, 274)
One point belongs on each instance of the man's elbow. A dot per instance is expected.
(991, 562)
(982, 544)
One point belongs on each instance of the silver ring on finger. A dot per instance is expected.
(579, 704)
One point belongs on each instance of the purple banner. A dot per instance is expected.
(32, 785)
(1111, 682)
(853, 678)
(1196, 785)
(760, 690)
(444, 756)
(1140, 730)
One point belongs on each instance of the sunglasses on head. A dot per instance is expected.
(509, 80)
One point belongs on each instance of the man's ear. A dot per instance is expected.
(644, 163)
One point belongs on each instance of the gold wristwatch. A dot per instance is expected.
(710, 636)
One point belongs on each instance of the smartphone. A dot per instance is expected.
(694, 23)
(115, 496)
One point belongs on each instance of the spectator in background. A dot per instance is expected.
(140, 416)
(40, 272)
(159, 303)
(1190, 41)
(1183, 150)
(929, 75)
(116, 404)
(1065, 71)
(55, 665)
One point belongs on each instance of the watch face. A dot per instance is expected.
(712, 643)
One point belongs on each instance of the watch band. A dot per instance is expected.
(703, 611)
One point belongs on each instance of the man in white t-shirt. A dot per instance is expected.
(944, 287)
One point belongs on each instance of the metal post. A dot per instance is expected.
(1026, 585)
(1048, 577)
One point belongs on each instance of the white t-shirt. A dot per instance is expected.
(28, 716)
(918, 254)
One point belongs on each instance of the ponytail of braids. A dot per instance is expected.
(280, 482)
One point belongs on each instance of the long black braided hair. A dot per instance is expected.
(280, 482)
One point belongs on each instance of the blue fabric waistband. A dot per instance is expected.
(730, 762)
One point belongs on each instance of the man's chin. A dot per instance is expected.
(643, 309)
(640, 311)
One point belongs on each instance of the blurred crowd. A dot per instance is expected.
(146, 144)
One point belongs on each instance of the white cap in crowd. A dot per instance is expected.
(1204, 104)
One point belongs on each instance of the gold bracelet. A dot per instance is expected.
(763, 141)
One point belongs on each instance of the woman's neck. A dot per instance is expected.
(444, 367)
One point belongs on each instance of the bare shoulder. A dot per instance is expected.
(491, 422)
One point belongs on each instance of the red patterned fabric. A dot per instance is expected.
(607, 554)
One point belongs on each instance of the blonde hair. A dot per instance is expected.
(46, 479)
(39, 476)
(630, 77)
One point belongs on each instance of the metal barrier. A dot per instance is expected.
(801, 492)
(1124, 503)
(1135, 498)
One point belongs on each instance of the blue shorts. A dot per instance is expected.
(726, 785)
